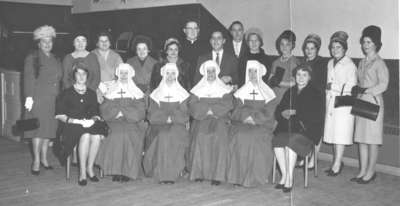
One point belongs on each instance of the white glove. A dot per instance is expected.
(210, 112)
(28, 103)
(169, 120)
(86, 123)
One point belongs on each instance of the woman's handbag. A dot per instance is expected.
(28, 124)
(343, 100)
(365, 109)
(100, 127)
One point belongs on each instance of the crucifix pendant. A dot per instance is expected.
(121, 93)
(168, 97)
(254, 93)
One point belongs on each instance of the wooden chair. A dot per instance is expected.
(305, 167)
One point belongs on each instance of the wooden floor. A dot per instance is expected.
(18, 187)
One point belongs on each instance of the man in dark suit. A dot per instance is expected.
(227, 62)
(192, 46)
(237, 46)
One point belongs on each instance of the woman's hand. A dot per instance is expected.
(86, 123)
(29, 103)
(249, 120)
(169, 120)
(287, 113)
(226, 79)
(210, 112)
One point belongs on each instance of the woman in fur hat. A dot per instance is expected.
(339, 123)
(373, 79)
(42, 75)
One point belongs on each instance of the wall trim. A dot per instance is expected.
(354, 163)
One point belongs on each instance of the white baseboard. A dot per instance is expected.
(354, 163)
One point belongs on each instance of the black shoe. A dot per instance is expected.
(34, 172)
(279, 186)
(333, 173)
(116, 178)
(311, 168)
(82, 182)
(125, 178)
(74, 164)
(215, 182)
(237, 185)
(198, 180)
(48, 167)
(286, 189)
(170, 182)
(355, 179)
(93, 179)
(363, 182)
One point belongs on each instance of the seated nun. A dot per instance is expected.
(123, 109)
(167, 138)
(209, 106)
(250, 158)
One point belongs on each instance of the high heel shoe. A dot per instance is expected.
(48, 167)
(333, 173)
(355, 179)
(34, 172)
(286, 189)
(363, 182)
(215, 182)
(82, 182)
(93, 179)
(279, 186)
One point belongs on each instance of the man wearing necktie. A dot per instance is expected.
(227, 61)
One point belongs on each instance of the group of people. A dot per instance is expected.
(217, 115)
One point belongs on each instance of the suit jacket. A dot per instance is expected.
(243, 50)
(229, 66)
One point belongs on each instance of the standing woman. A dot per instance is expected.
(172, 47)
(281, 72)
(142, 63)
(80, 54)
(339, 123)
(108, 60)
(373, 79)
(42, 76)
(311, 46)
(255, 41)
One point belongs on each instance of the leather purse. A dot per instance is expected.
(343, 100)
(28, 124)
(365, 109)
(100, 127)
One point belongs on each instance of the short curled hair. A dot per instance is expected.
(258, 36)
(303, 67)
(344, 45)
(79, 66)
(236, 22)
(104, 33)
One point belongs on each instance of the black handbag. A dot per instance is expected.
(28, 124)
(100, 127)
(343, 100)
(365, 109)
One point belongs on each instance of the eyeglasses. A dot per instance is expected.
(192, 28)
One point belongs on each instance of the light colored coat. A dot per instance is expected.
(373, 75)
(339, 123)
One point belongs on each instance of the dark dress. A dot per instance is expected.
(261, 57)
(76, 106)
(43, 89)
(183, 78)
(209, 148)
(308, 121)
(166, 143)
(143, 71)
(92, 64)
(250, 158)
(121, 152)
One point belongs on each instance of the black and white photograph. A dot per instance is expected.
(199, 102)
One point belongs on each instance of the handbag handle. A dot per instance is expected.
(341, 93)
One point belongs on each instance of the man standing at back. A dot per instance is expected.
(237, 46)
(192, 47)
(227, 61)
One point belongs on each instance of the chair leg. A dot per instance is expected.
(274, 170)
(306, 171)
(101, 172)
(68, 167)
(315, 162)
